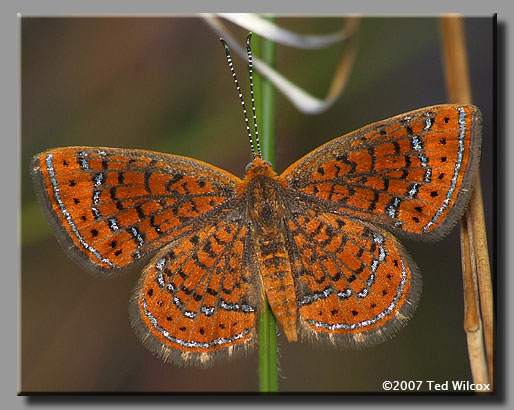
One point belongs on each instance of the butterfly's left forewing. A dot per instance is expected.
(111, 206)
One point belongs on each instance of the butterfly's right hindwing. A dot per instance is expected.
(356, 285)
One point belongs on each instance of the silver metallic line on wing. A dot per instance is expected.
(66, 214)
(460, 155)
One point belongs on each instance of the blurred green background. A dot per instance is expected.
(163, 84)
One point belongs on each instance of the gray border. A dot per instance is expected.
(11, 80)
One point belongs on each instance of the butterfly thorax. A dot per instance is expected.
(263, 198)
(262, 191)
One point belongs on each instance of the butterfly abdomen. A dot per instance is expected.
(278, 282)
(262, 191)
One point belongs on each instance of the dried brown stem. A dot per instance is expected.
(346, 61)
(478, 294)
(472, 321)
(485, 287)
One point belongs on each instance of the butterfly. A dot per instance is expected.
(314, 242)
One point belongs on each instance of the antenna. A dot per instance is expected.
(247, 123)
(250, 67)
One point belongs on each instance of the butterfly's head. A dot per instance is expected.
(259, 166)
(257, 171)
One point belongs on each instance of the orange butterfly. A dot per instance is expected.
(310, 240)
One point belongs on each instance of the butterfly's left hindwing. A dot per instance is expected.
(412, 172)
(111, 206)
(199, 298)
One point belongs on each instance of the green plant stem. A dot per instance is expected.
(265, 107)
(268, 105)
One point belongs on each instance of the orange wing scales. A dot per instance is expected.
(111, 218)
(62, 211)
(354, 281)
(307, 239)
(408, 172)
(458, 164)
(197, 296)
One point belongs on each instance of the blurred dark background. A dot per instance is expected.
(162, 84)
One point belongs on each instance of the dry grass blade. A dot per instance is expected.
(472, 321)
(301, 99)
(485, 287)
(271, 31)
(479, 320)
(346, 61)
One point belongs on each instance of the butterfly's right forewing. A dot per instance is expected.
(413, 172)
